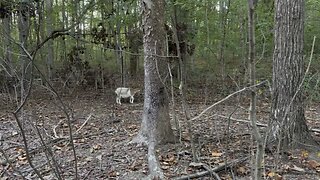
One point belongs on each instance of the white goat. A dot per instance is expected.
(123, 92)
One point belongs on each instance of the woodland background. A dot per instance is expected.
(61, 60)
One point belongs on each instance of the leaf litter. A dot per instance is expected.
(103, 131)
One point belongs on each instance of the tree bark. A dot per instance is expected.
(156, 122)
(257, 165)
(23, 26)
(6, 22)
(155, 127)
(287, 112)
(49, 14)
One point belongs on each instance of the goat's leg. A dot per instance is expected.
(131, 99)
(118, 100)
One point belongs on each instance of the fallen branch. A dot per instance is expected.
(54, 129)
(211, 172)
(216, 169)
(85, 122)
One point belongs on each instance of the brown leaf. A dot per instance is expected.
(113, 174)
(274, 175)
(165, 167)
(22, 159)
(216, 154)
(170, 158)
(313, 164)
(242, 170)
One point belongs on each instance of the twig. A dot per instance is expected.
(229, 96)
(216, 169)
(212, 173)
(85, 122)
(258, 124)
(49, 154)
(87, 175)
(240, 120)
(9, 163)
(54, 129)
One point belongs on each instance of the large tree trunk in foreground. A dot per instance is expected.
(287, 118)
(155, 127)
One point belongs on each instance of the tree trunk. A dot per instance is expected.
(224, 11)
(6, 25)
(49, 14)
(155, 127)
(134, 44)
(287, 119)
(257, 165)
(23, 26)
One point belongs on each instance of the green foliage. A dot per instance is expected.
(204, 19)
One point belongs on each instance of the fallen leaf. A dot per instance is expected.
(271, 174)
(313, 164)
(216, 154)
(113, 174)
(274, 175)
(22, 159)
(165, 163)
(242, 170)
(304, 154)
(165, 167)
(170, 159)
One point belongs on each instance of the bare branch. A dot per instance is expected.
(229, 96)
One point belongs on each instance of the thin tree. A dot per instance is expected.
(257, 165)
(49, 26)
(287, 112)
(23, 26)
(155, 127)
(6, 29)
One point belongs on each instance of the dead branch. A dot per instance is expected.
(50, 156)
(240, 120)
(216, 169)
(9, 163)
(85, 122)
(63, 108)
(229, 96)
(258, 124)
(211, 172)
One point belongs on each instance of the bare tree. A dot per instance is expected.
(257, 165)
(155, 127)
(287, 113)
(6, 29)
(23, 26)
(49, 24)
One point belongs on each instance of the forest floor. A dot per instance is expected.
(102, 131)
